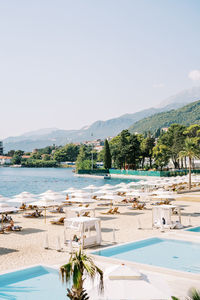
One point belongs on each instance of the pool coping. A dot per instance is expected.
(28, 267)
(146, 267)
(192, 227)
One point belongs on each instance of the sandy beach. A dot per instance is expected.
(26, 248)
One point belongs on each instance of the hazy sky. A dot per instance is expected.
(67, 63)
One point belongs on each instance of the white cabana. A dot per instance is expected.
(162, 216)
(87, 229)
(123, 282)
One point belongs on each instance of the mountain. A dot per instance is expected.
(182, 98)
(187, 115)
(99, 129)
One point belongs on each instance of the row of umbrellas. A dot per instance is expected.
(107, 192)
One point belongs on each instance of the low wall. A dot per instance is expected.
(152, 173)
(93, 172)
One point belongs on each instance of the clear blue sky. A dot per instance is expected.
(67, 63)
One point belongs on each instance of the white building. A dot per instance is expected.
(5, 160)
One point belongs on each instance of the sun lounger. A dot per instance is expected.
(13, 228)
(33, 215)
(115, 210)
(86, 214)
(109, 212)
(23, 207)
(58, 221)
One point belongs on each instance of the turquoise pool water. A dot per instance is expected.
(37, 180)
(39, 283)
(166, 253)
(194, 229)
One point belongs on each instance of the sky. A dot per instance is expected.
(66, 64)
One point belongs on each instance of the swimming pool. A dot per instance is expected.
(194, 229)
(167, 253)
(32, 283)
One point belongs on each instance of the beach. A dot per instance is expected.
(26, 248)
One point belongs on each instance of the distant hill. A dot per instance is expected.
(187, 115)
(99, 129)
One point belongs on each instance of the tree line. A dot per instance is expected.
(147, 151)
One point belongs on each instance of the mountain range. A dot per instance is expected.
(101, 129)
(186, 115)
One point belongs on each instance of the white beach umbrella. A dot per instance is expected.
(82, 200)
(69, 190)
(122, 282)
(4, 199)
(107, 187)
(111, 197)
(16, 200)
(81, 195)
(48, 192)
(25, 195)
(134, 194)
(45, 203)
(122, 184)
(133, 184)
(5, 208)
(91, 187)
(123, 190)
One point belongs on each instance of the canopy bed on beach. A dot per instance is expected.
(162, 217)
(84, 231)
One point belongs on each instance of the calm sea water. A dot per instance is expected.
(35, 180)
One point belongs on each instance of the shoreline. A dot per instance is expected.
(119, 176)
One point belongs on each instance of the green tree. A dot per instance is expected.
(19, 152)
(190, 150)
(11, 153)
(16, 159)
(100, 155)
(75, 270)
(193, 295)
(123, 148)
(67, 153)
(133, 155)
(147, 145)
(46, 157)
(174, 138)
(193, 131)
(161, 155)
(107, 156)
(80, 158)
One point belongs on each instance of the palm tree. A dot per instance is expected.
(78, 265)
(191, 150)
(194, 295)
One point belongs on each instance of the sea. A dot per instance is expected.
(38, 180)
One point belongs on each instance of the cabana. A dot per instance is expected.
(162, 217)
(87, 230)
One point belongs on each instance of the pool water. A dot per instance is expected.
(172, 254)
(194, 229)
(33, 283)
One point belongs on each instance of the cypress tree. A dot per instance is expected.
(107, 156)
